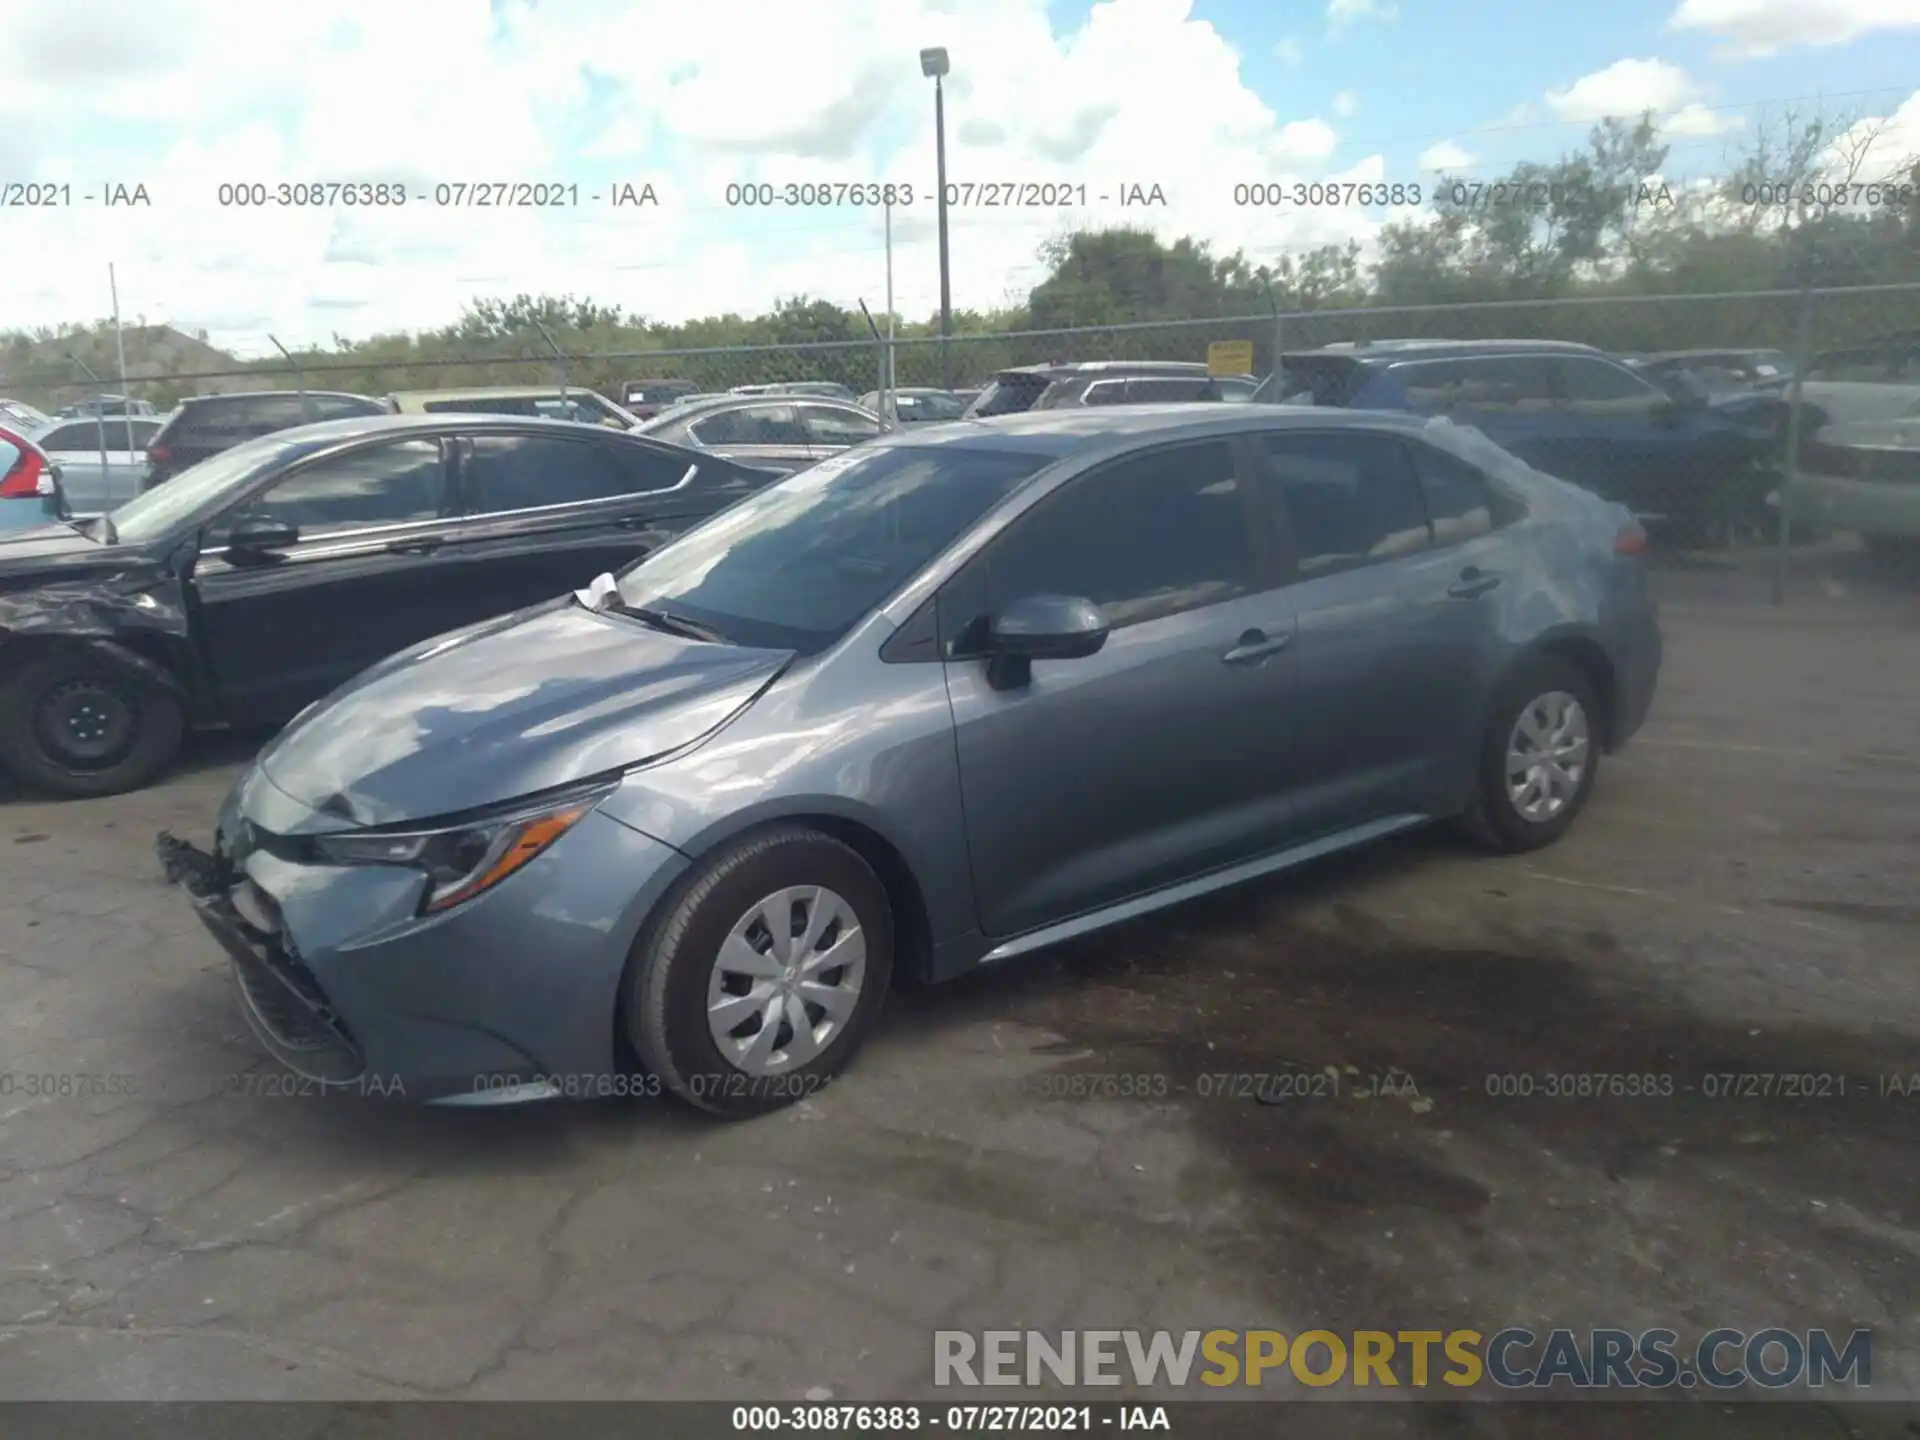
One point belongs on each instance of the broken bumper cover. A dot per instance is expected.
(512, 996)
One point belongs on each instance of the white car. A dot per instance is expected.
(22, 416)
(95, 481)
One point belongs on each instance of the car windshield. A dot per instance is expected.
(795, 565)
(156, 513)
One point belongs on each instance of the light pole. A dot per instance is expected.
(934, 62)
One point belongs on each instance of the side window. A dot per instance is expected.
(1514, 383)
(1100, 392)
(752, 425)
(483, 405)
(1460, 503)
(1144, 538)
(645, 469)
(83, 435)
(1168, 388)
(382, 485)
(268, 414)
(830, 425)
(1593, 387)
(1351, 499)
(342, 407)
(520, 472)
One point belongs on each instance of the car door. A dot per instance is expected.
(1644, 450)
(1160, 757)
(544, 514)
(365, 577)
(1512, 399)
(832, 428)
(1387, 620)
(766, 435)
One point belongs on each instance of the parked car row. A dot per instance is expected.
(257, 580)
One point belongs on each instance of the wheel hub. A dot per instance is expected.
(786, 980)
(1547, 755)
(87, 723)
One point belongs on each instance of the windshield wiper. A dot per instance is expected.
(672, 624)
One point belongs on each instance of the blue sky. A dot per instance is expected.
(1192, 95)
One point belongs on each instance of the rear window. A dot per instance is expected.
(240, 417)
(484, 405)
(1313, 380)
(1009, 394)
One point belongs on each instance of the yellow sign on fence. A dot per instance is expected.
(1230, 357)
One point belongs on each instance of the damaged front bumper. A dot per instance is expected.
(511, 996)
(281, 998)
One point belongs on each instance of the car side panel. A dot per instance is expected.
(809, 749)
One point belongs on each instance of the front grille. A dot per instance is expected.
(293, 1017)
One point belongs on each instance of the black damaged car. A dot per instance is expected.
(255, 582)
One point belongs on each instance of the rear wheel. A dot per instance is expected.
(75, 727)
(1538, 758)
(760, 982)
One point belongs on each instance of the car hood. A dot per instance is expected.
(54, 547)
(508, 708)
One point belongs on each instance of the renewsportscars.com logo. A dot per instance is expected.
(1511, 1359)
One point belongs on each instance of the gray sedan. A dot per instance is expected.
(778, 433)
(944, 700)
(95, 481)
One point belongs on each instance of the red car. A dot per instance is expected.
(30, 491)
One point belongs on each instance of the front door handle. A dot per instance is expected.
(1255, 646)
(416, 545)
(1473, 581)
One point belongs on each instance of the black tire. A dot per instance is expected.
(40, 703)
(672, 966)
(1494, 819)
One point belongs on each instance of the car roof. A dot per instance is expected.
(490, 392)
(1109, 367)
(1390, 350)
(324, 433)
(275, 395)
(1710, 354)
(1062, 433)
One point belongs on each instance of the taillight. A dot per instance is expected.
(159, 453)
(29, 477)
(1630, 541)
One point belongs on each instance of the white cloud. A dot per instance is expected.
(1756, 28)
(1885, 147)
(1303, 141)
(1342, 13)
(1625, 88)
(1344, 104)
(1289, 52)
(1446, 156)
(190, 95)
(1696, 120)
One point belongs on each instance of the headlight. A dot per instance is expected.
(467, 859)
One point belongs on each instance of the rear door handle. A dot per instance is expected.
(1254, 646)
(1471, 583)
(417, 545)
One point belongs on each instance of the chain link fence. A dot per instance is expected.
(1711, 467)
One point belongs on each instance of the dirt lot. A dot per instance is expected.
(1740, 898)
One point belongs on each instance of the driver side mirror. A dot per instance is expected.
(261, 539)
(1041, 627)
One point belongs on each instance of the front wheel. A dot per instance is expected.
(760, 981)
(76, 728)
(1539, 756)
